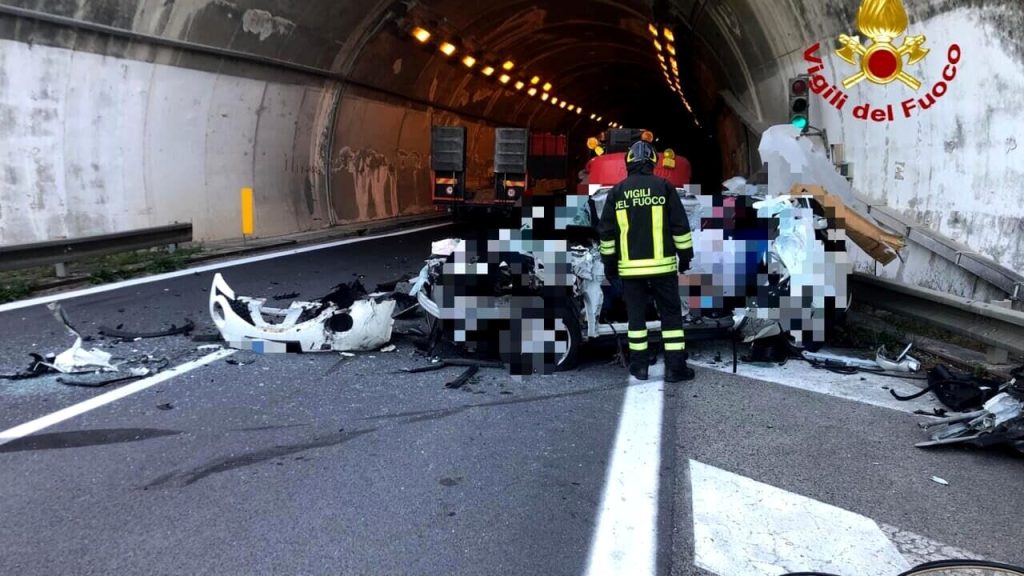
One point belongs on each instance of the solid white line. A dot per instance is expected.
(741, 526)
(104, 399)
(863, 387)
(626, 538)
(217, 266)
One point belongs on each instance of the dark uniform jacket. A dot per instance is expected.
(644, 228)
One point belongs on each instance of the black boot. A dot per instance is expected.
(680, 374)
(638, 364)
(677, 370)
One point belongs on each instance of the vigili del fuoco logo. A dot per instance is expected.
(880, 61)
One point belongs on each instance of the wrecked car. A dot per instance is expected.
(544, 284)
(770, 262)
(346, 320)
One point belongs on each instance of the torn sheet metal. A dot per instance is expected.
(844, 361)
(902, 363)
(1001, 421)
(345, 320)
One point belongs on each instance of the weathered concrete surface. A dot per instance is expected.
(193, 127)
(94, 144)
(957, 167)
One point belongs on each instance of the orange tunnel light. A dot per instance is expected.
(420, 34)
(448, 48)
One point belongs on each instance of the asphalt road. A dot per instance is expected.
(314, 464)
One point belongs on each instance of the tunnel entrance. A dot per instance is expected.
(580, 68)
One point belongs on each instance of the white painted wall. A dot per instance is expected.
(957, 168)
(92, 144)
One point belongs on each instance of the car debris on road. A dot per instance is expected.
(347, 319)
(999, 422)
(87, 364)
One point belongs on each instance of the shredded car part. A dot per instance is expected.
(347, 319)
(999, 422)
(902, 363)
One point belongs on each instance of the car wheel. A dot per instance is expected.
(567, 329)
(568, 323)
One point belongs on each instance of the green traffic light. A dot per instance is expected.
(800, 122)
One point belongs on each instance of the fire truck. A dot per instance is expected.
(525, 164)
(608, 166)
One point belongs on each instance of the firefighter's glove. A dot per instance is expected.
(684, 264)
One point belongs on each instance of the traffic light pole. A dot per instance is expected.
(812, 131)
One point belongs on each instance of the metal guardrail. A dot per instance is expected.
(962, 256)
(999, 328)
(60, 252)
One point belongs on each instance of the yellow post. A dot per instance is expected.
(247, 212)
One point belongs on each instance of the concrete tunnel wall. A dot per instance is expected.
(955, 168)
(103, 134)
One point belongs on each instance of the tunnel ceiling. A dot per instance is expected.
(598, 54)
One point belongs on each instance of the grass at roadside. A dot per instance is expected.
(134, 264)
(21, 284)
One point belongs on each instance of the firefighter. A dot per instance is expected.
(646, 241)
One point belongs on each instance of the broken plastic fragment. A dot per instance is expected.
(389, 348)
(75, 359)
(938, 480)
(346, 319)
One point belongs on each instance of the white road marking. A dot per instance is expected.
(104, 399)
(626, 538)
(862, 387)
(919, 549)
(745, 528)
(206, 268)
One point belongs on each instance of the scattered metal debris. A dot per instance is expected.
(421, 369)
(447, 362)
(174, 330)
(956, 391)
(902, 363)
(463, 379)
(841, 361)
(882, 364)
(999, 422)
